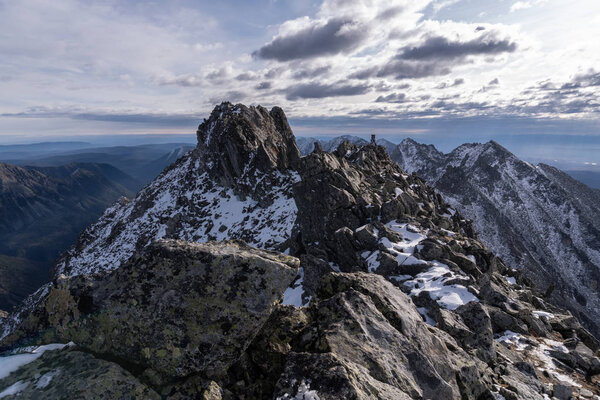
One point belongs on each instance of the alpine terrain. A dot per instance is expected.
(537, 218)
(42, 211)
(246, 271)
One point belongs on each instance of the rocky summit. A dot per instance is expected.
(245, 271)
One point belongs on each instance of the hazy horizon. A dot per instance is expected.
(444, 72)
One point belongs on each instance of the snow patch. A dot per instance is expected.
(538, 314)
(303, 393)
(293, 294)
(11, 363)
(434, 281)
(13, 389)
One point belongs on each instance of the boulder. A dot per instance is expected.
(177, 309)
(72, 374)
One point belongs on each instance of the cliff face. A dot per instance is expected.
(361, 283)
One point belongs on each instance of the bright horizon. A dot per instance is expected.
(439, 71)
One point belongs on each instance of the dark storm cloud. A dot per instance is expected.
(440, 48)
(315, 90)
(311, 72)
(335, 36)
(392, 98)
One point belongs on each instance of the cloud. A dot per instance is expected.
(246, 76)
(445, 85)
(318, 39)
(263, 86)
(392, 98)
(233, 96)
(440, 4)
(441, 48)
(589, 79)
(522, 5)
(436, 56)
(188, 80)
(316, 90)
(400, 69)
(311, 72)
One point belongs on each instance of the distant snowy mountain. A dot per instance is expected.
(535, 217)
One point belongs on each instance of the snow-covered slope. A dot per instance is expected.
(536, 217)
(209, 194)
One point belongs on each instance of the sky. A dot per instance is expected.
(443, 71)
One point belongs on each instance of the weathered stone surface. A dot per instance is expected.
(372, 343)
(236, 137)
(72, 374)
(178, 309)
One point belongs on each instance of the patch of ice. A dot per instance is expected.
(511, 280)
(398, 191)
(9, 364)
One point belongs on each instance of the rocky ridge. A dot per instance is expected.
(537, 218)
(387, 292)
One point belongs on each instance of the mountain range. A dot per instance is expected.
(248, 271)
(537, 218)
(42, 211)
(142, 162)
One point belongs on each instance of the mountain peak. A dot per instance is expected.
(237, 138)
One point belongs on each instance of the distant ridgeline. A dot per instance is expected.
(246, 271)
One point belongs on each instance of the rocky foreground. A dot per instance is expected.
(361, 283)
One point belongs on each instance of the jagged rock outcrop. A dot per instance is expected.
(177, 309)
(72, 374)
(235, 185)
(537, 218)
(395, 297)
(236, 139)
